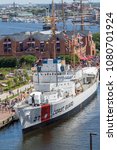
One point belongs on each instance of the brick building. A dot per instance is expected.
(41, 44)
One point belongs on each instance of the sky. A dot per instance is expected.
(35, 1)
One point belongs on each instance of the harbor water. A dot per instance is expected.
(16, 27)
(70, 134)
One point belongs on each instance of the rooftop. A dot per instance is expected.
(43, 35)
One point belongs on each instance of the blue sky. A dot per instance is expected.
(35, 1)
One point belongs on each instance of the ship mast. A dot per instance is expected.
(63, 16)
(82, 17)
(53, 28)
(81, 14)
(81, 28)
(54, 37)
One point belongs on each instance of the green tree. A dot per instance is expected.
(28, 59)
(70, 58)
(8, 62)
(37, 11)
(96, 39)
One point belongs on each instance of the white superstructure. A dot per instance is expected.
(59, 90)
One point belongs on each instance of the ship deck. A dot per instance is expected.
(85, 86)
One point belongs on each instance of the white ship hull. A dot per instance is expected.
(40, 116)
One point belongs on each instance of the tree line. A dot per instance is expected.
(6, 62)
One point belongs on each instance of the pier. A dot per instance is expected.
(6, 117)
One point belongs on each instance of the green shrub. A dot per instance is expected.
(70, 58)
(8, 62)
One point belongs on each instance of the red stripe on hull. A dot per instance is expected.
(45, 112)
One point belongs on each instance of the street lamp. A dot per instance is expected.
(91, 140)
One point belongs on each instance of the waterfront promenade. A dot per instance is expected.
(16, 91)
(6, 106)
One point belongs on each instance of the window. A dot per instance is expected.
(5, 40)
(7, 45)
(93, 52)
(42, 46)
(29, 39)
(58, 47)
(31, 43)
(78, 40)
(57, 44)
(21, 46)
(57, 39)
(33, 39)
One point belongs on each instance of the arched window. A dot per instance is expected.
(5, 40)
